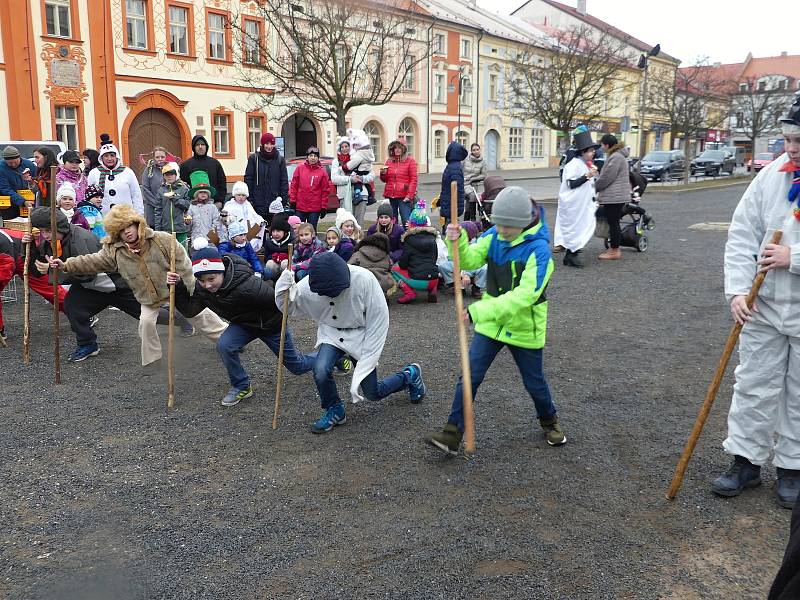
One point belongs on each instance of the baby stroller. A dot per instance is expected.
(635, 220)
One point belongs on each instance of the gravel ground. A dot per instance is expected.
(104, 496)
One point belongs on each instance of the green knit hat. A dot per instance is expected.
(200, 183)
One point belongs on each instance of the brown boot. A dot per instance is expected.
(611, 254)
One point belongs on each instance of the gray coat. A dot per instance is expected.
(173, 204)
(613, 185)
(151, 187)
(474, 170)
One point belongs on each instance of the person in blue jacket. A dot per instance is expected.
(238, 244)
(454, 171)
(15, 173)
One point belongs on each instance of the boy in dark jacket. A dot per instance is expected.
(454, 171)
(512, 312)
(240, 246)
(417, 268)
(276, 245)
(201, 161)
(228, 286)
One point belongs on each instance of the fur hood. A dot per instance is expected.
(416, 230)
(376, 240)
(397, 144)
(616, 147)
(118, 218)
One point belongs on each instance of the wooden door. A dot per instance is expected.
(152, 127)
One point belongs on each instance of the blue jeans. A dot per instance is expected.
(482, 353)
(401, 209)
(373, 389)
(446, 269)
(236, 337)
(310, 217)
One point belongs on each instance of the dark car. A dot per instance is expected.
(713, 163)
(326, 161)
(662, 165)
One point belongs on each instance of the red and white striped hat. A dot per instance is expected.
(207, 261)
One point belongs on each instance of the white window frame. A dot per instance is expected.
(410, 79)
(438, 143)
(175, 27)
(373, 133)
(136, 26)
(439, 44)
(462, 137)
(466, 48)
(253, 133)
(67, 126)
(494, 86)
(341, 61)
(439, 88)
(515, 142)
(222, 134)
(216, 38)
(466, 92)
(537, 143)
(409, 133)
(61, 12)
(252, 42)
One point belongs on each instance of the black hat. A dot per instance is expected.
(70, 156)
(793, 118)
(385, 210)
(583, 141)
(328, 275)
(40, 218)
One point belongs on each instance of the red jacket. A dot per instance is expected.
(310, 187)
(400, 178)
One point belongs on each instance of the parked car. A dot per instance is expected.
(662, 165)
(713, 163)
(738, 154)
(27, 148)
(759, 161)
(326, 161)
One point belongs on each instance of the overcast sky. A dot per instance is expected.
(722, 30)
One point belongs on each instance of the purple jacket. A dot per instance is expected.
(395, 239)
(345, 248)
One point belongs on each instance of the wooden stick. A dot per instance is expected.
(171, 333)
(54, 249)
(284, 318)
(713, 388)
(26, 295)
(466, 375)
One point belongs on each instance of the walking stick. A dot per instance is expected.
(713, 388)
(171, 334)
(284, 318)
(54, 247)
(466, 375)
(26, 302)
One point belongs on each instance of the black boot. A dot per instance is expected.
(572, 259)
(787, 487)
(742, 474)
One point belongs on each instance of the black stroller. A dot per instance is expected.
(635, 220)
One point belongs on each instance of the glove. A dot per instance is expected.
(323, 212)
(286, 280)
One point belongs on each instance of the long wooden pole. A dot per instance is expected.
(26, 299)
(713, 388)
(171, 333)
(54, 248)
(284, 319)
(466, 375)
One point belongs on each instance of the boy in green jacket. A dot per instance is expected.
(513, 311)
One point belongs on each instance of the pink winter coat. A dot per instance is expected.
(310, 188)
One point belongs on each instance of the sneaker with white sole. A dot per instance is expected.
(447, 440)
(93, 320)
(332, 417)
(234, 396)
(416, 386)
(83, 352)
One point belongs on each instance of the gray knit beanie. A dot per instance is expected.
(10, 153)
(512, 208)
(385, 209)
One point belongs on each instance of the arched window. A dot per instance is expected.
(406, 131)
(374, 134)
(438, 144)
(463, 138)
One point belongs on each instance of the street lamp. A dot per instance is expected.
(643, 64)
(461, 86)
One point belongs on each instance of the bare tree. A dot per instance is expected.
(757, 105)
(323, 59)
(569, 80)
(697, 99)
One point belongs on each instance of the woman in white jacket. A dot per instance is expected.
(118, 183)
(764, 417)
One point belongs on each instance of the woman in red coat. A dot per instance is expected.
(310, 188)
(400, 176)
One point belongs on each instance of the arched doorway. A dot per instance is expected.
(299, 133)
(150, 128)
(407, 132)
(490, 146)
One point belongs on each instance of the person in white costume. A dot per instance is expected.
(575, 220)
(348, 304)
(118, 183)
(764, 416)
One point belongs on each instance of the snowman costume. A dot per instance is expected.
(575, 220)
(119, 184)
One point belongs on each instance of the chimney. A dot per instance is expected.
(581, 8)
(784, 53)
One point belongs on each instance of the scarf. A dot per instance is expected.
(106, 172)
(268, 155)
(343, 160)
(68, 213)
(135, 247)
(794, 189)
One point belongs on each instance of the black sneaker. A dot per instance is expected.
(787, 487)
(343, 366)
(742, 474)
(81, 353)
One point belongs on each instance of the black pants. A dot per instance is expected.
(787, 583)
(613, 215)
(82, 303)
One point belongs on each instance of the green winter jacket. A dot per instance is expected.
(514, 308)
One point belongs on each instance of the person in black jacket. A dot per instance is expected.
(266, 177)
(454, 171)
(417, 268)
(227, 285)
(201, 161)
(787, 582)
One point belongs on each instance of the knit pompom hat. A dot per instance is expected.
(276, 206)
(207, 261)
(66, 190)
(240, 187)
(343, 216)
(92, 191)
(418, 216)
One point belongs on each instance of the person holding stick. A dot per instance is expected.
(227, 284)
(352, 318)
(513, 310)
(764, 416)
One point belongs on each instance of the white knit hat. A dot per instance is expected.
(343, 215)
(240, 187)
(276, 206)
(66, 191)
(106, 145)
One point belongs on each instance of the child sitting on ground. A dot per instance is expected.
(394, 231)
(372, 253)
(238, 245)
(475, 277)
(276, 246)
(173, 202)
(203, 215)
(348, 225)
(416, 268)
(308, 246)
(343, 246)
(65, 199)
(239, 207)
(294, 223)
(90, 207)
